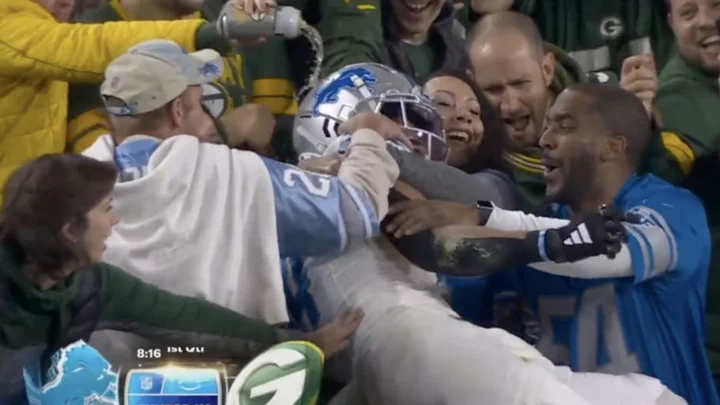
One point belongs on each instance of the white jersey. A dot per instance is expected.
(413, 349)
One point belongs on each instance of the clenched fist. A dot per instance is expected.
(639, 77)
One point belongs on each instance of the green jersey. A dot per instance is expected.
(268, 78)
(689, 102)
(526, 165)
(600, 34)
(354, 32)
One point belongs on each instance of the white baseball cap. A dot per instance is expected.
(153, 73)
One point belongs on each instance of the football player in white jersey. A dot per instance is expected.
(412, 348)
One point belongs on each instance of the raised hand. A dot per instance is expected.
(639, 76)
(598, 233)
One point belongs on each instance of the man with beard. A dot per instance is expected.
(247, 78)
(689, 101)
(621, 315)
(522, 76)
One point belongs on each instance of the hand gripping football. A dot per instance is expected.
(288, 373)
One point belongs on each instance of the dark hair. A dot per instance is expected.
(44, 195)
(620, 113)
(490, 154)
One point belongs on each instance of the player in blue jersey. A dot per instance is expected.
(412, 348)
(644, 310)
(204, 220)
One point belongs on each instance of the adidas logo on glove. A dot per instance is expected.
(579, 236)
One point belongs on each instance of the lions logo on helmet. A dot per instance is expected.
(360, 78)
(286, 374)
(373, 88)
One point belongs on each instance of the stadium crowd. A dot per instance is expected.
(502, 202)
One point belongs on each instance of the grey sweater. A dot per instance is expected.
(438, 181)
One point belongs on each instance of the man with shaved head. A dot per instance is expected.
(643, 311)
(598, 35)
(522, 75)
(510, 63)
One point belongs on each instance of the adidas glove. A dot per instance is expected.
(599, 233)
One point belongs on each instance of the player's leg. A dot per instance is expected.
(630, 389)
(417, 357)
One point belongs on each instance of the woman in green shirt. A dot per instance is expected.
(55, 289)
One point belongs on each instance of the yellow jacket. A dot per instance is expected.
(39, 56)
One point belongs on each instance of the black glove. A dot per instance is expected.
(599, 233)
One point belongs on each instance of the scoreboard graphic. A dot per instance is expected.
(184, 385)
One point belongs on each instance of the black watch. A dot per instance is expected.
(485, 208)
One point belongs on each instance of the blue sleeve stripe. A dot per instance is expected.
(663, 244)
(342, 233)
(541, 246)
(370, 220)
(659, 221)
(637, 240)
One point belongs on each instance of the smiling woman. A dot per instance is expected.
(65, 230)
(476, 134)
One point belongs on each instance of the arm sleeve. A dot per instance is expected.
(684, 109)
(319, 215)
(439, 181)
(129, 304)
(671, 237)
(35, 47)
(504, 220)
(352, 33)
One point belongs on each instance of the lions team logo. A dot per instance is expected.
(611, 27)
(286, 374)
(351, 78)
(78, 375)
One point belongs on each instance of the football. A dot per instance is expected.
(288, 373)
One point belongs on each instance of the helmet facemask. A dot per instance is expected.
(419, 120)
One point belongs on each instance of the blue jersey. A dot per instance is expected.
(316, 215)
(652, 322)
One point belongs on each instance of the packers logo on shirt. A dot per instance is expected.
(288, 373)
(611, 27)
(216, 99)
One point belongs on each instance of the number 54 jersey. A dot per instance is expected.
(652, 322)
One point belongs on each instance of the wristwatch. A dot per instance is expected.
(485, 208)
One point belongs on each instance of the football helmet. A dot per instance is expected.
(367, 87)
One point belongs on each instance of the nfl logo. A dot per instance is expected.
(146, 383)
(114, 83)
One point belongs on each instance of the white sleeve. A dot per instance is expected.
(510, 221)
(370, 167)
(592, 267)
